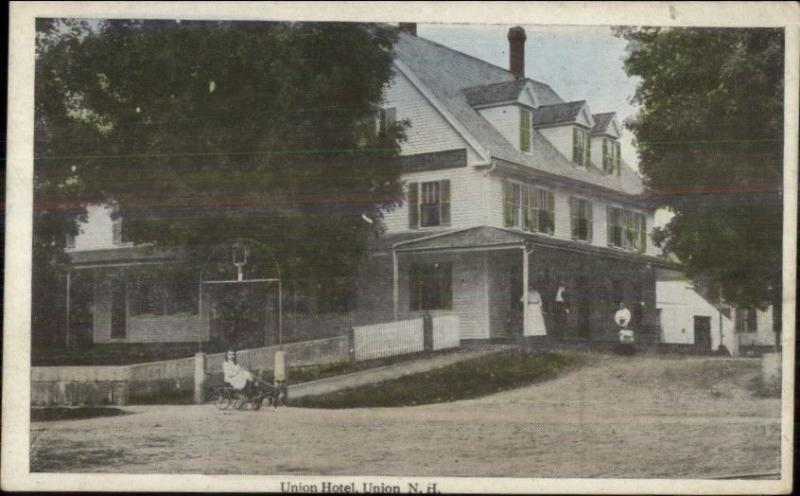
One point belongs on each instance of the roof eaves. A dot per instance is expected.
(474, 143)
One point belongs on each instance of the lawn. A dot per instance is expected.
(468, 379)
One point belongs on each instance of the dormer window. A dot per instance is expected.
(611, 156)
(581, 146)
(524, 129)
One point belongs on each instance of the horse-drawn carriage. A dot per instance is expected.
(227, 397)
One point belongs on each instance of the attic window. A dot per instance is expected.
(611, 156)
(524, 130)
(386, 119)
(581, 147)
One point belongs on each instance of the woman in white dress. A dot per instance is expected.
(534, 318)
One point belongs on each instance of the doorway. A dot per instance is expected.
(702, 333)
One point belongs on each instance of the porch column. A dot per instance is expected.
(395, 285)
(524, 288)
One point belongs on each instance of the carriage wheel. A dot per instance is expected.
(223, 401)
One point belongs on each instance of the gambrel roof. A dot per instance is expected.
(449, 76)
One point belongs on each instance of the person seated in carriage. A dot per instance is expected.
(237, 376)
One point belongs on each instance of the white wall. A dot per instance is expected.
(506, 120)
(764, 335)
(679, 305)
(563, 227)
(429, 131)
(468, 195)
(97, 232)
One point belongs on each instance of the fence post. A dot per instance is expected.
(427, 332)
(199, 377)
(351, 343)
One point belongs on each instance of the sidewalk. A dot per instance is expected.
(388, 372)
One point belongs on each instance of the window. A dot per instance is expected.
(581, 147)
(429, 204)
(432, 286)
(581, 213)
(524, 130)
(70, 241)
(511, 204)
(529, 208)
(610, 156)
(386, 119)
(116, 231)
(627, 229)
(746, 320)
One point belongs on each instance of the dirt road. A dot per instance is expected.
(615, 417)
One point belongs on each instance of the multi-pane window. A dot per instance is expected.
(429, 204)
(581, 146)
(524, 129)
(432, 286)
(746, 320)
(529, 208)
(627, 229)
(581, 214)
(611, 156)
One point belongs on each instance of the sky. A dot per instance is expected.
(578, 62)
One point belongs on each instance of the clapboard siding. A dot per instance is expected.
(563, 220)
(470, 291)
(560, 137)
(429, 131)
(467, 198)
(506, 120)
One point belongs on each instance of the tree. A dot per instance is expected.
(205, 131)
(709, 134)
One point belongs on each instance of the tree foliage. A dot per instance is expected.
(709, 134)
(206, 131)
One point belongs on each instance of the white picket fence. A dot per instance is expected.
(403, 337)
(446, 332)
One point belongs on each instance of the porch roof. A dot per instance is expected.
(486, 237)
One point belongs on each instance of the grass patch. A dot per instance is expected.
(65, 413)
(468, 379)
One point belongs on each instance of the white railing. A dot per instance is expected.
(388, 339)
(446, 332)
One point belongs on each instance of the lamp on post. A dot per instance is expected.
(239, 252)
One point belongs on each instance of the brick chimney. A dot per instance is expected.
(516, 51)
(408, 27)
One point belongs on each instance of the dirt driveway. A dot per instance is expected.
(644, 416)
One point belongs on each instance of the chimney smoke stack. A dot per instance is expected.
(516, 51)
(408, 27)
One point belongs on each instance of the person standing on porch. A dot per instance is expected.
(534, 318)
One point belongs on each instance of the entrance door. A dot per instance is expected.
(702, 333)
(119, 311)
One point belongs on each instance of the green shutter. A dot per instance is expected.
(610, 226)
(643, 233)
(589, 221)
(587, 152)
(616, 157)
(444, 189)
(551, 212)
(413, 205)
(524, 130)
(508, 216)
(573, 214)
(574, 145)
(605, 155)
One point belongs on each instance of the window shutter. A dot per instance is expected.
(589, 221)
(610, 226)
(413, 205)
(587, 152)
(444, 191)
(524, 130)
(643, 233)
(605, 155)
(573, 213)
(574, 145)
(616, 157)
(551, 212)
(508, 192)
(117, 232)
